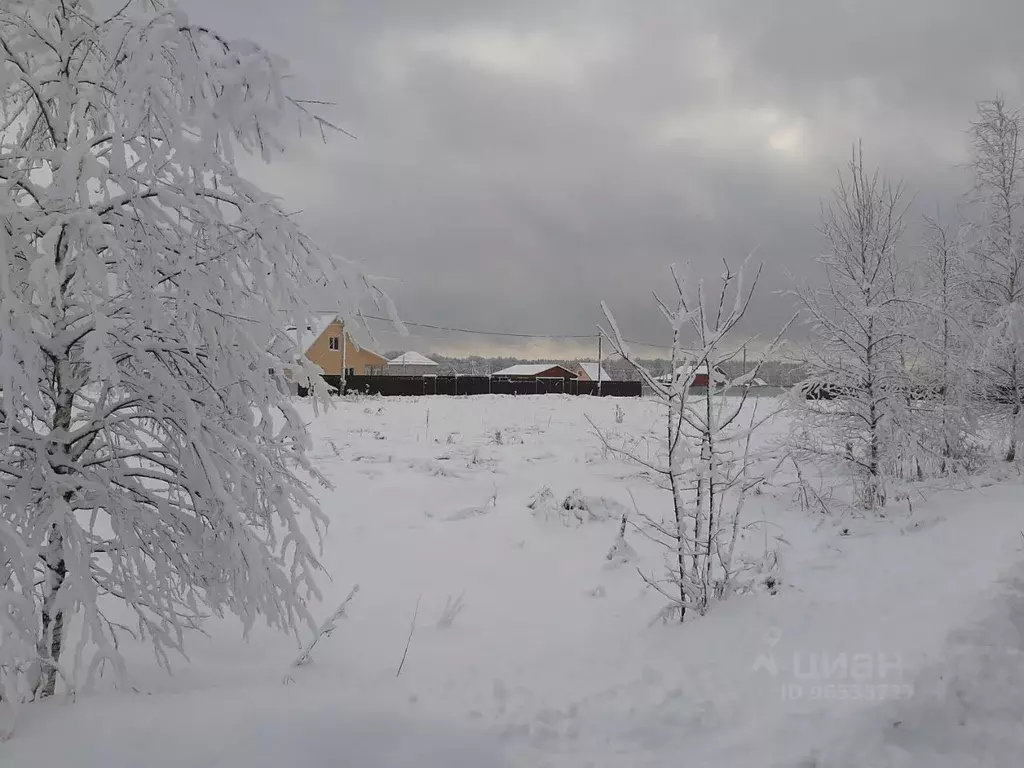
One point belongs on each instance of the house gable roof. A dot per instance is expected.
(314, 329)
(411, 358)
(591, 369)
(533, 369)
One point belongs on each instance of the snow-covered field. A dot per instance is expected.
(892, 641)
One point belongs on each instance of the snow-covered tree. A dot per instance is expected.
(998, 275)
(859, 318)
(148, 460)
(706, 461)
(941, 338)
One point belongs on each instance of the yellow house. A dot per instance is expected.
(324, 345)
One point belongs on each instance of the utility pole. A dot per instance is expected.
(344, 350)
(600, 362)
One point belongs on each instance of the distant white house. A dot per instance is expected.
(412, 364)
(593, 372)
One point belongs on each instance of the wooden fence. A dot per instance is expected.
(395, 386)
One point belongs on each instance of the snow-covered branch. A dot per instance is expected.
(326, 630)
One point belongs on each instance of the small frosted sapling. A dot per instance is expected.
(706, 459)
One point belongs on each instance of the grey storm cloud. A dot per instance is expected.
(518, 162)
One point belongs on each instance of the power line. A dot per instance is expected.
(648, 344)
(509, 334)
(488, 333)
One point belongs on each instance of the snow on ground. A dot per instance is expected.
(889, 642)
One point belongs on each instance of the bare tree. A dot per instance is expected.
(857, 411)
(706, 462)
(998, 278)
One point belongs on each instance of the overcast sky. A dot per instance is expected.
(517, 162)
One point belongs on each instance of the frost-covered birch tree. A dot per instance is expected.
(998, 276)
(150, 466)
(858, 318)
(706, 461)
(942, 335)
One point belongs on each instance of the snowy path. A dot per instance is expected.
(552, 662)
(944, 604)
(967, 706)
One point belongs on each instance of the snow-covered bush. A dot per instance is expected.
(573, 510)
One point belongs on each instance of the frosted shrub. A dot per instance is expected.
(574, 509)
